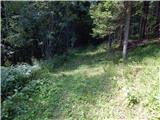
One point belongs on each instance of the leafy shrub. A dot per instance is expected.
(13, 78)
(14, 105)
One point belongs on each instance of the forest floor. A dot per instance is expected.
(136, 43)
(92, 84)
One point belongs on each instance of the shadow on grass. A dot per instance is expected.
(56, 95)
(140, 53)
(74, 60)
(67, 96)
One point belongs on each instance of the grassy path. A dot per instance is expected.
(90, 84)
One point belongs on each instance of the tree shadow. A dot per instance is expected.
(84, 60)
(79, 58)
(61, 92)
(79, 89)
(138, 54)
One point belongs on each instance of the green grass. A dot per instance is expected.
(91, 84)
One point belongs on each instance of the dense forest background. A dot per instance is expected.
(80, 60)
(43, 29)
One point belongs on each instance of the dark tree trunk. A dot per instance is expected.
(157, 28)
(4, 17)
(143, 22)
(126, 30)
(48, 43)
(109, 42)
(121, 36)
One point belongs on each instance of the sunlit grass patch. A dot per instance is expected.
(91, 84)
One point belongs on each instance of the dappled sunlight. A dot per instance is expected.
(120, 105)
(85, 70)
(101, 57)
(92, 86)
(80, 60)
(145, 53)
(94, 52)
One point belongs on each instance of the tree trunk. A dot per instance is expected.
(109, 41)
(4, 17)
(143, 22)
(157, 29)
(126, 30)
(121, 36)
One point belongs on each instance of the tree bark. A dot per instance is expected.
(126, 30)
(121, 36)
(157, 29)
(143, 22)
(4, 17)
(109, 41)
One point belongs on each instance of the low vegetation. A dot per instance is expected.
(85, 83)
(80, 60)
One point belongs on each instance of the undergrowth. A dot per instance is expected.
(86, 84)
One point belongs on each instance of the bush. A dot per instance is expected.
(14, 78)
